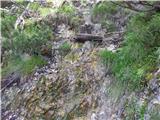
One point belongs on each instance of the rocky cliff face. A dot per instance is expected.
(71, 86)
(75, 85)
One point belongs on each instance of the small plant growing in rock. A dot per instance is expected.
(108, 25)
(75, 22)
(66, 13)
(102, 8)
(65, 48)
(66, 9)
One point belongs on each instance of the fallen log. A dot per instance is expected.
(87, 37)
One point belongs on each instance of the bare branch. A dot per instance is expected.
(131, 7)
(20, 20)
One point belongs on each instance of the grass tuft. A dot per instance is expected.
(139, 53)
(24, 66)
(65, 48)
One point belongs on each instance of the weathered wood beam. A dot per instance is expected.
(87, 37)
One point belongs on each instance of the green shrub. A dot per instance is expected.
(104, 8)
(34, 6)
(67, 10)
(30, 65)
(139, 52)
(29, 40)
(75, 22)
(16, 43)
(22, 64)
(158, 54)
(7, 29)
(103, 13)
(134, 110)
(7, 24)
(65, 48)
(108, 25)
(106, 56)
(67, 14)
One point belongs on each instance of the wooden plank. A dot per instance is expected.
(87, 37)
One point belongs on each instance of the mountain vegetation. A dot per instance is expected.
(80, 59)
